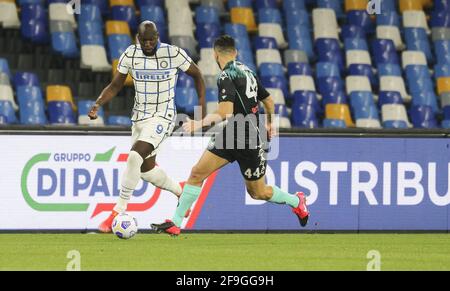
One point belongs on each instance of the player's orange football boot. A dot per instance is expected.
(301, 211)
(168, 227)
(105, 226)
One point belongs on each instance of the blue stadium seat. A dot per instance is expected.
(441, 70)
(328, 50)
(304, 116)
(389, 70)
(356, 44)
(60, 112)
(307, 98)
(118, 43)
(299, 69)
(441, 5)
(281, 110)
(32, 113)
(262, 42)
(384, 52)
(395, 124)
(125, 13)
(211, 94)
(414, 72)
(26, 79)
(239, 3)
(389, 97)
(334, 123)
(327, 69)
(119, 120)
(295, 17)
(3, 120)
(352, 31)
(89, 13)
(362, 19)
(35, 30)
(236, 30)
(447, 112)
(334, 97)
(442, 51)
(261, 4)
(246, 57)
(141, 3)
(33, 11)
(388, 5)
(330, 85)
(336, 5)
(390, 18)
(423, 117)
(270, 15)
(363, 70)
(24, 2)
(271, 69)
(102, 4)
(425, 98)
(206, 14)
(7, 110)
(186, 99)
(242, 43)
(294, 5)
(185, 81)
(440, 18)
(300, 39)
(276, 82)
(65, 43)
(360, 99)
(366, 112)
(207, 33)
(92, 38)
(417, 40)
(4, 67)
(154, 13)
(29, 93)
(446, 124)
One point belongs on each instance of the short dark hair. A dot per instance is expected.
(225, 44)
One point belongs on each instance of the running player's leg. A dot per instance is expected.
(253, 166)
(156, 176)
(132, 174)
(208, 163)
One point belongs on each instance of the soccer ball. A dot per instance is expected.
(124, 226)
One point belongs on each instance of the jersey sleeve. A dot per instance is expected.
(182, 60)
(227, 90)
(262, 92)
(124, 64)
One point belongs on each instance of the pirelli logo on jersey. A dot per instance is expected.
(152, 76)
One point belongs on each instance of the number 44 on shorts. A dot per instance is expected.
(260, 171)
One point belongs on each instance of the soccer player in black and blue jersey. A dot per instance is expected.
(239, 95)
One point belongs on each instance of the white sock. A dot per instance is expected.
(130, 179)
(159, 178)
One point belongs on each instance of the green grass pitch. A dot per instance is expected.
(225, 251)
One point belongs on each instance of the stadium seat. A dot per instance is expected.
(277, 95)
(273, 30)
(154, 13)
(65, 43)
(362, 19)
(294, 56)
(359, 44)
(339, 111)
(56, 93)
(423, 117)
(301, 83)
(117, 27)
(125, 13)
(425, 98)
(304, 116)
(296, 17)
(89, 13)
(334, 123)
(270, 15)
(241, 15)
(442, 51)
(443, 85)
(25, 79)
(330, 85)
(357, 83)
(4, 79)
(119, 120)
(397, 124)
(61, 113)
(278, 82)
(218, 4)
(413, 58)
(415, 19)
(186, 99)
(384, 52)
(113, 3)
(332, 96)
(6, 94)
(394, 112)
(300, 39)
(94, 58)
(355, 5)
(271, 69)
(352, 32)
(327, 69)
(392, 33)
(141, 3)
(406, 5)
(239, 3)
(332, 4)
(394, 83)
(7, 111)
(4, 67)
(58, 11)
(83, 109)
(368, 123)
(389, 18)
(9, 17)
(299, 69)
(307, 98)
(206, 14)
(440, 33)
(267, 56)
(389, 70)
(389, 97)
(363, 70)
(358, 57)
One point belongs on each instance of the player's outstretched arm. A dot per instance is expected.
(200, 86)
(269, 107)
(108, 93)
(224, 110)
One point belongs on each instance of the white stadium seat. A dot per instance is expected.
(392, 33)
(301, 83)
(6, 94)
(394, 112)
(396, 84)
(8, 16)
(413, 58)
(58, 11)
(94, 58)
(268, 56)
(357, 83)
(415, 19)
(358, 57)
(277, 95)
(368, 123)
(273, 30)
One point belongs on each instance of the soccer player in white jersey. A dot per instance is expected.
(154, 67)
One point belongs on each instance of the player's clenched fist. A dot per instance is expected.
(93, 112)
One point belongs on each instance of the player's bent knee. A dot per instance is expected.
(197, 175)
